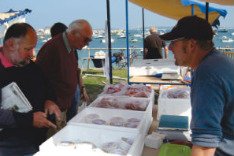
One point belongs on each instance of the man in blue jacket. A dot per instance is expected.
(212, 90)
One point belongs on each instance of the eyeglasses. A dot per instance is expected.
(176, 40)
(85, 39)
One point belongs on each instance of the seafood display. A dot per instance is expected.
(121, 103)
(135, 90)
(114, 121)
(120, 146)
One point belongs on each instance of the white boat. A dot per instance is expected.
(98, 36)
(137, 35)
(121, 35)
(104, 40)
(133, 40)
(226, 39)
(222, 30)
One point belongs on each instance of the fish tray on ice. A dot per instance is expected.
(120, 120)
(130, 103)
(77, 140)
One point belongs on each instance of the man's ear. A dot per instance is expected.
(192, 45)
(10, 43)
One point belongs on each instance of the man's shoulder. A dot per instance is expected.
(53, 42)
(51, 47)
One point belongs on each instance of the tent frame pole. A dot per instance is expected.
(109, 41)
(127, 39)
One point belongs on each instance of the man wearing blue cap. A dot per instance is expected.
(212, 90)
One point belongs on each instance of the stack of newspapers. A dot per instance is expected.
(14, 99)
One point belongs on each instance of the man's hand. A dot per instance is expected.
(52, 108)
(145, 53)
(40, 120)
(84, 95)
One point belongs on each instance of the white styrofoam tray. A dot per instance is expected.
(96, 136)
(107, 114)
(122, 100)
(173, 106)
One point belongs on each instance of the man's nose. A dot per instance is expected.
(31, 52)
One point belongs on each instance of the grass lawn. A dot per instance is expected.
(94, 80)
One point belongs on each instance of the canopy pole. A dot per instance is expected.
(109, 41)
(192, 9)
(143, 27)
(127, 38)
(207, 11)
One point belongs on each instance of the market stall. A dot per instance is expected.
(115, 123)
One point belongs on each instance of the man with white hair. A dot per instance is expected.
(153, 46)
(58, 62)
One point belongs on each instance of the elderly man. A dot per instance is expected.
(153, 46)
(212, 92)
(57, 60)
(22, 133)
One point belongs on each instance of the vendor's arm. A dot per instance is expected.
(207, 110)
(202, 151)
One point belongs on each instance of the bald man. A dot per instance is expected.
(57, 60)
(153, 46)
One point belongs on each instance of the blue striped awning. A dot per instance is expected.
(202, 7)
(11, 14)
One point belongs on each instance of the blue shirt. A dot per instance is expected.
(212, 100)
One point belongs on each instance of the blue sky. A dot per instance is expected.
(46, 12)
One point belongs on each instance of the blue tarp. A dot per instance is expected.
(15, 15)
(202, 7)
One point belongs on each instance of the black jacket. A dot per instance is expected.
(18, 136)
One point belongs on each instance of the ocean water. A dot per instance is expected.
(136, 41)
